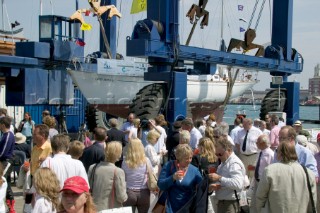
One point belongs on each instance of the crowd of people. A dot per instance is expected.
(265, 166)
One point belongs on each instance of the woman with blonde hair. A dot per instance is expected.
(76, 197)
(107, 181)
(135, 167)
(50, 121)
(179, 179)
(150, 151)
(206, 160)
(47, 188)
(209, 133)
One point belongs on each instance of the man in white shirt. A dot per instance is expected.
(237, 127)
(263, 128)
(229, 177)
(265, 158)
(246, 145)
(61, 163)
(195, 134)
(127, 126)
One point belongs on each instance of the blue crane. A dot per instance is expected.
(157, 38)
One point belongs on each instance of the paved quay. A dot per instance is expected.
(18, 196)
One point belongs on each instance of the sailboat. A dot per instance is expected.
(115, 87)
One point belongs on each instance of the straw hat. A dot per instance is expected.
(20, 138)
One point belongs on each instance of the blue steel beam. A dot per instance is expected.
(158, 49)
(17, 62)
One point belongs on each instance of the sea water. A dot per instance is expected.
(253, 112)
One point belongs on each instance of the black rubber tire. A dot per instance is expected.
(96, 118)
(149, 101)
(90, 116)
(270, 102)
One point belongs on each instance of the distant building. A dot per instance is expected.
(314, 83)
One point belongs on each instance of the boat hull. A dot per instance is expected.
(114, 93)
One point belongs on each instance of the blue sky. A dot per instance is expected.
(305, 38)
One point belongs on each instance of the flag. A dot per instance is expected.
(242, 30)
(138, 6)
(80, 42)
(240, 7)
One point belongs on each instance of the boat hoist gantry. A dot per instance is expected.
(157, 38)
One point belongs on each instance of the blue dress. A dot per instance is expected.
(179, 192)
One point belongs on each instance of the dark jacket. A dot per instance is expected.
(91, 155)
(7, 146)
(115, 134)
(172, 142)
(24, 147)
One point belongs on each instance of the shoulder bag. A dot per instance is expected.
(309, 189)
(127, 209)
(152, 179)
(91, 180)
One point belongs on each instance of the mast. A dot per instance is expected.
(222, 43)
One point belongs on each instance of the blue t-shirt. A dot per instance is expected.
(27, 128)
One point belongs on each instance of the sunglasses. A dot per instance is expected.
(220, 154)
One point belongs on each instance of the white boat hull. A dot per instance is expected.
(118, 82)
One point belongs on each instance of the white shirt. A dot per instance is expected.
(266, 132)
(127, 126)
(233, 173)
(230, 140)
(266, 159)
(52, 132)
(161, 143)
(64, 167)
(153, 157)
(195, 136)
(252, 137)
(42, 205)
(234, 132)
(3, 190)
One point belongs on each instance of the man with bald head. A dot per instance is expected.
(265, 158)
(127, 126)
(246, 144)
(305, 157)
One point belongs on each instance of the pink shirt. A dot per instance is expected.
(274, 137)
(266, 159)
(87, 142)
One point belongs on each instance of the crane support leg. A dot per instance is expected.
(292, 103)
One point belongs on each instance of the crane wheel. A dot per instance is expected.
(271, 101)
(149, 101)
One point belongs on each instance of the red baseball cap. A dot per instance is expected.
(76, 184)
(318, 137)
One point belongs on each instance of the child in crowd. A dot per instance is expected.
(86, 141)
(47, 188)
(150, 151)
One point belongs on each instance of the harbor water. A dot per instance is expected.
(306, 112)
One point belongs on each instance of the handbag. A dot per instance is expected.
(241, 210)
(160, 206)
(21, 178)
(91, 179)
(309, 189)
(152, 180)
